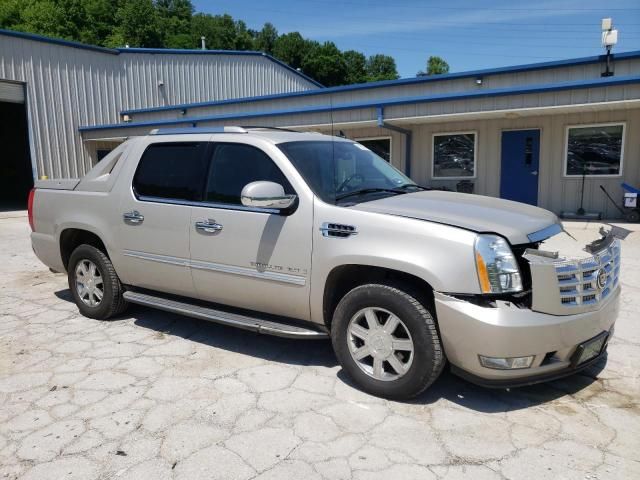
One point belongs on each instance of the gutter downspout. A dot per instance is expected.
(407, 137)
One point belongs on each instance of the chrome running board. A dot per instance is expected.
(256, 324)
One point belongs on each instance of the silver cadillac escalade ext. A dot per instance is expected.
(309, 236)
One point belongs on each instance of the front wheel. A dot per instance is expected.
(94, 284)
(387, 341)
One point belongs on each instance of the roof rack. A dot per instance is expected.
(259, 127)
(178, 131)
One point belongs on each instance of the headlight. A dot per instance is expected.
(497, 267)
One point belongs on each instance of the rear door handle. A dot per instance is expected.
(208, 226)
(133, 217)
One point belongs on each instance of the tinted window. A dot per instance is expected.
(234, 166)
(171, 170)
(595, 150)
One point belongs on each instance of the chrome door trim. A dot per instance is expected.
(223, 206)
(250, 272)
(183, 262)
(217, 267)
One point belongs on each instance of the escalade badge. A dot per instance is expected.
(601, 278)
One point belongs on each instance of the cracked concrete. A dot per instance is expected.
(155, 395)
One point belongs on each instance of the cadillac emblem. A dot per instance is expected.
(601, 279)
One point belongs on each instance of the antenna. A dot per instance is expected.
(609, 40)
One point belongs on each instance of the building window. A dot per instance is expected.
(594, 150)
(454, 155)
(381, 146)
(102, 152)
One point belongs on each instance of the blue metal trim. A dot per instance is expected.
(57, 41)
(187, 51)
(496, 92)
(400, 82)
(408, 137)
(156, 51)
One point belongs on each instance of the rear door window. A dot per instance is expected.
(233, 166)
(173, 171)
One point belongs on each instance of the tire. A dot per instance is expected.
(112, 302)
(417, 325)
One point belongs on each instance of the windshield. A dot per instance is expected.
(345, 172)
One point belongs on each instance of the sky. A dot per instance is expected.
(468, 34)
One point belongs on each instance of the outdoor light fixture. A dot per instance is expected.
(478, 80)
(126, 118)
(609, 40)
(183, 111)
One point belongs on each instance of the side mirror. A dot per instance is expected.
(263, 194)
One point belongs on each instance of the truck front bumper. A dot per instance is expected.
(469, 331)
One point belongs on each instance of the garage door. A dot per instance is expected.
(11, 92)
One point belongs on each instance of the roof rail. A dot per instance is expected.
(258, 127)
(178, 131)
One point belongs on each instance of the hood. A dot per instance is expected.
(513, 220)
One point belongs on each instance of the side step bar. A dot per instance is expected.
(245, 322)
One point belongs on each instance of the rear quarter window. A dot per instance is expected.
(173, 171)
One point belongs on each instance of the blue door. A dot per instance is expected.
(519, 171)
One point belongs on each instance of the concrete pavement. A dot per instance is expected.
(156, 395)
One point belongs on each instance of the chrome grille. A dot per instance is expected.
(578, 279)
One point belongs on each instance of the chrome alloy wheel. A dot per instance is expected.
(89, 284)
(380, 343)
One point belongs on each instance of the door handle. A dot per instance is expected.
(208, 226)
(133, 217)
(535, 172)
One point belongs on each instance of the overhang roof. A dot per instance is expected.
(372, 104)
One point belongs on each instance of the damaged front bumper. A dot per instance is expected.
(571, 303)
(469, 330)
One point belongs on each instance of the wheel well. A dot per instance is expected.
(72, 238)
(345, 278)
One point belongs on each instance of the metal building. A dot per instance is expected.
(49, 88)
(548, 134)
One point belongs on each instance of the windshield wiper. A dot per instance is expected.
(411, 185)
(369, 190)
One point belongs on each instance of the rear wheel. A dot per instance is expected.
(94, 284)
(387, 341)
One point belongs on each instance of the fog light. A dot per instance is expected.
(510, 363)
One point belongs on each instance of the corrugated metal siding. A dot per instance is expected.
(11, 92)
(68, 87)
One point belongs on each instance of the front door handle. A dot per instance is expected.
(133, 217)
(535, 172)
(208, 226)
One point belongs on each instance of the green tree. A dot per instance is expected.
(138, 25)
(290, 48)
(437, 66)
(356, 64)
(174, 17)
(243, 37)
(325, 63)
(99, 21)
(266, 38)
(219, 30)
(381, 67)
